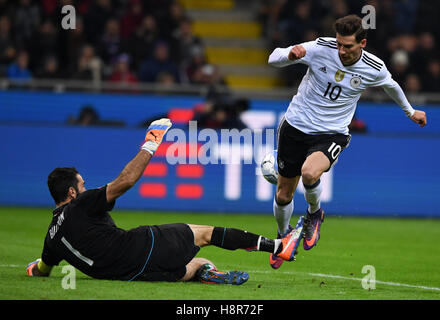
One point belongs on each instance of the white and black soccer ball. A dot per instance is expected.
(269, 167)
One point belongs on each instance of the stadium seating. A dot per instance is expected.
(234, 42)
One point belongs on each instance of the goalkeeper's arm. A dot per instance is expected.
(135, 168)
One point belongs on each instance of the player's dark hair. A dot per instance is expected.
(60, 180)
(351, 25)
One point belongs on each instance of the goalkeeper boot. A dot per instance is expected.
(276, 262)
(208, 274)
(312, 228)
(291, 241)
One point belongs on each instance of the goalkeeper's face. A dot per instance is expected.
(80, 187)
(349, 49)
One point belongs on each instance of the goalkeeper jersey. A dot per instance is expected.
(83, 233)
(329, 91)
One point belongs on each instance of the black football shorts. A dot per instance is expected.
(173, 249)
(294, 146)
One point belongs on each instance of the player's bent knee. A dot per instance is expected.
(193, 266)
(283, 198)
(202, 234)
(285, 189)
(284, 194)
(310, 176)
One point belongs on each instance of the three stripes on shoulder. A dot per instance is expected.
(367, 59)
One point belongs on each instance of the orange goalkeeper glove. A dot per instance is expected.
(30, 266)
(43, 270)
(155, 133)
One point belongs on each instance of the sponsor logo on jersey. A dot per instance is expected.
(339, 75)
(323, 69)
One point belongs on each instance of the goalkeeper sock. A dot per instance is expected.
(282, 214)
(312, 194)
(232, 239)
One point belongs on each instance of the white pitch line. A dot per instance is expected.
(396, 284)
(11, 266)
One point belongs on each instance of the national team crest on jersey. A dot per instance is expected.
(355, 82)
(339, 75)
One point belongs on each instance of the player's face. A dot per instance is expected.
(75, 192)
(349, 49)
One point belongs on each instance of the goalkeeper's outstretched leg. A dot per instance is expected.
(231, 239)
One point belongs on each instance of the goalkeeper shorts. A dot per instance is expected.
(173, 249)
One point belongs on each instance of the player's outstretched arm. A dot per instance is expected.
(134, 169)
(393, 89)
(297, 52)
(282, 57)
(128, 176)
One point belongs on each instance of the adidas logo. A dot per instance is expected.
(323, 69)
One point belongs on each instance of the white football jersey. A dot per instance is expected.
(329, 91)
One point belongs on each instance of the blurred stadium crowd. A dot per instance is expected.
(130, 41)
(152, 40)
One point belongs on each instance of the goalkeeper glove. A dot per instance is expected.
(42, 268)
(30, 266)
(155, 133)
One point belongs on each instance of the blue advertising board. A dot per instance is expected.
(387, 176)
(390, 171)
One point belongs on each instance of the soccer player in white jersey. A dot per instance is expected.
(314, 129)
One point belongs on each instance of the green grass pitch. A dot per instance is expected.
(405, 254)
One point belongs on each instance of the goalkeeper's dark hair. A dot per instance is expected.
(60, 180)
(351, 25)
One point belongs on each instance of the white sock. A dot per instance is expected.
(312, 194)
(282, 215)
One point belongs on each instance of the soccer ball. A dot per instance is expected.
(269, 167)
